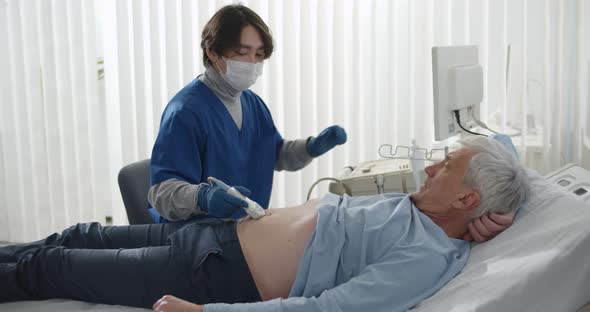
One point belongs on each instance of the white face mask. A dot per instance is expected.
(241, 75)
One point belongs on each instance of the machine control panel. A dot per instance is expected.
(378, 176)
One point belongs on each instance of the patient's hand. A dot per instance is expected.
(170, 303)
(488, 226)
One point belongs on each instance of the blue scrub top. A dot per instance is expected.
(198, 138)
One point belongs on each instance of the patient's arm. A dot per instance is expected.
(488, 226)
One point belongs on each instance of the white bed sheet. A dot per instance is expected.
(541, 263)
(63, 305)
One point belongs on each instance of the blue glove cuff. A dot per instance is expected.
(202, 200)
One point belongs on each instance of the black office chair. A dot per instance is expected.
(134, 183)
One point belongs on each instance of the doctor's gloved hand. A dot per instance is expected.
(218, 203)
(488, 226)
(326, 140)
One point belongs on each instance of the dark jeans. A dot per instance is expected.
(135, 265)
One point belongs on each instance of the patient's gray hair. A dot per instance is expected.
(502, 182)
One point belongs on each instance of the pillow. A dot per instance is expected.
(506, 141)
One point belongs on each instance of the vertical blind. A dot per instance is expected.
(84, 84)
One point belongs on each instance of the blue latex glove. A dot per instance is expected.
(326, 140)
(218, 203)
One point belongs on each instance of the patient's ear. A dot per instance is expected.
(467, 201)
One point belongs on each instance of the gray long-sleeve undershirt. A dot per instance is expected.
(178, 200)
(174, 199)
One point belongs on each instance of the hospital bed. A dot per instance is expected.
(540, 263)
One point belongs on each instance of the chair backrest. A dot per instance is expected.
(134, 183)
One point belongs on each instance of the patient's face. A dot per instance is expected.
(444, 184)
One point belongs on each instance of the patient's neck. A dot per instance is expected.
(454, 224)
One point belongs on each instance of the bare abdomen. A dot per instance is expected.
(273, 246)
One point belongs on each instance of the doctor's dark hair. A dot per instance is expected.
(223, 31)
(502, 183)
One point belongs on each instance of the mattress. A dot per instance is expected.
(63, 305)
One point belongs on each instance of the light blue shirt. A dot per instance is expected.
(368, 253)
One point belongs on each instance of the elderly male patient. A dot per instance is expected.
(371, 253)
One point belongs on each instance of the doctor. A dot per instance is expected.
(215, 126)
